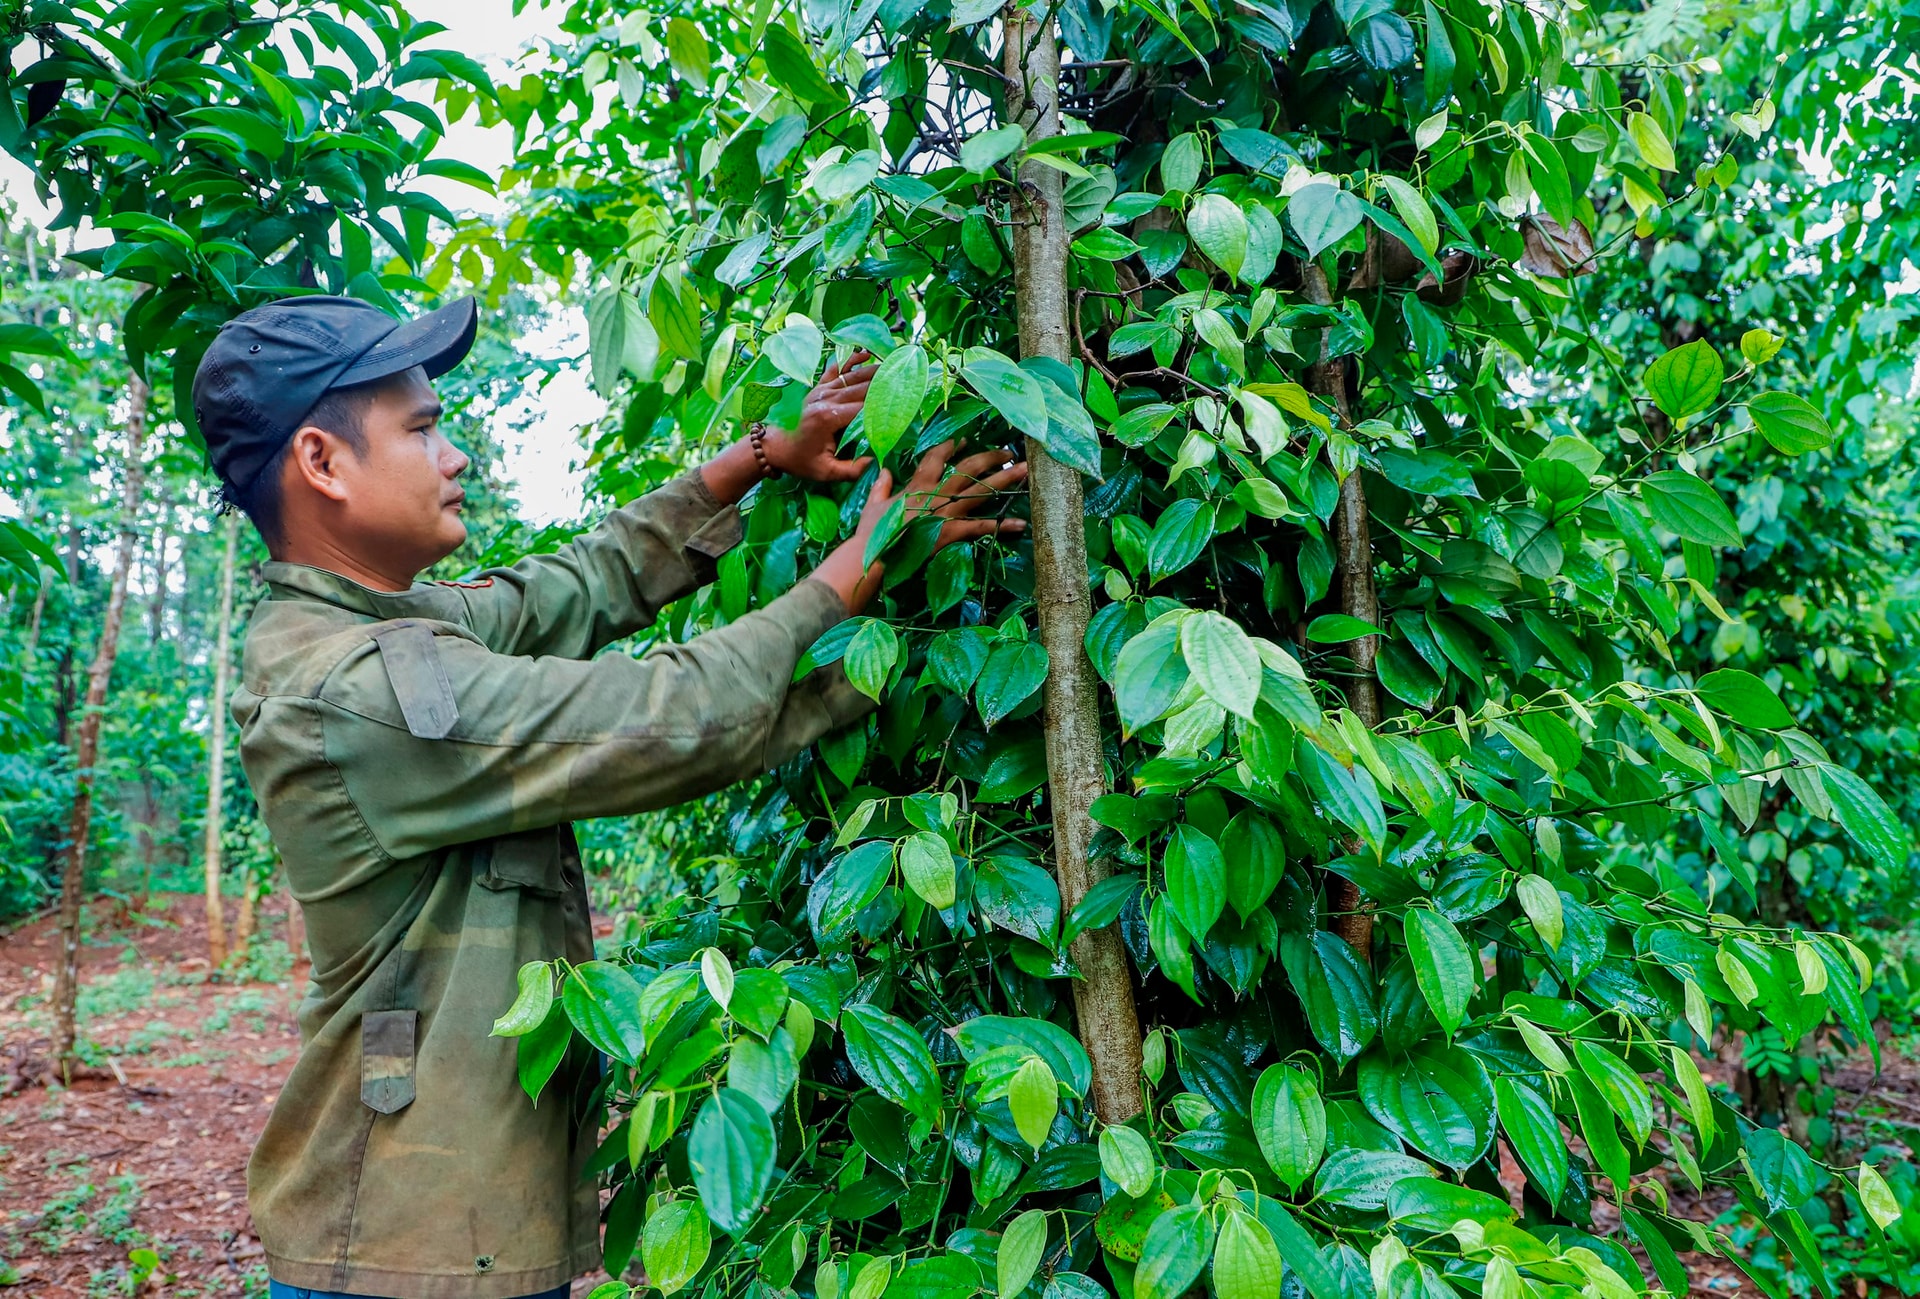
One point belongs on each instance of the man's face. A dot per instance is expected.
(403, 501)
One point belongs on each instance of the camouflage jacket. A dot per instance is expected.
(418, 757)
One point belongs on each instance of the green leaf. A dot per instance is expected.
(890, 1057)
(1339, 628)
(983, 151)
(1624, 1091)
(1745, 698)
(1335, 990)
(1786, 1175)
(530, 1007)
(1429, 1204)
(1541, 901)
(1439, 1100)
(620, 339)
(687, 51)
(603, 1002)
(1149, 675)
(845, 236)
(1014, 670)
(795, 350)
(1548, 172)
(1442, 966)
(1290, 1123)
(730, 1153)
(1246, 1263)
(870, 657)
(1022, 1246)
(1196, 879)
(1350, 796)
(1682, 503)
(1686, 380)
(1060, 1049)
(1126, 1158)
(792, 67)
(1301, 1252)
(759, 1000)
(927, 864)
(1103, 243)
(1217, 225)
(1259, 856)
(1414, 211)
(1876, 1197)
(1867, 819)
(849, 885)
(1651, 141)
(540, 1052)
(675, 1245)
(1534, 1134)
(1790, 423)
(1020, 398)
(1184, 529)
(1177, 1247)
(1034, 1099)
(1223, 660)
(1180, 164)
(1323, 215)
(1597, 1127)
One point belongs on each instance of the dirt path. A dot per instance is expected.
(136, 1173)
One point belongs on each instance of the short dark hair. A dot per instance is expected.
(341, 412)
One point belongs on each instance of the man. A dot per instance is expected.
(418, 751)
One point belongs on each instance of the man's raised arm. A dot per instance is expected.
(615, 580)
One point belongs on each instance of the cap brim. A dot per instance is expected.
(436, 342)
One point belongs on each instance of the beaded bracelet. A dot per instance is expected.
(757, 435)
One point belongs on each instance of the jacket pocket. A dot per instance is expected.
(528, 860)
(386, 1059)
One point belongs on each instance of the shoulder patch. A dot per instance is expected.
(480, 585)
(419, 681)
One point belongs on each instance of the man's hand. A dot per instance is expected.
(950, 492)
(809, 451)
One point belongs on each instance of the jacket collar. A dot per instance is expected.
(304, 582)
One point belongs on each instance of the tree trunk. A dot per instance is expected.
(1103, 997)
(31, 646)
(157, 605)
(217, 754)
(243, 923)
(66, 984)
(1353, 558)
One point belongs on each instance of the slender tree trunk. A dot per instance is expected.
(32, 644)
(217, 755)
(157, 605)
(1103, 998)
(1353, 557)
(243, 924)
(66, 984)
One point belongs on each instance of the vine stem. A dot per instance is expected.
(1352, 917)
(1103, 998)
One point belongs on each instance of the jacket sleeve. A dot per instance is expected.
(539, 741)
(607, 583)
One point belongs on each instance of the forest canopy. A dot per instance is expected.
(1459, 679)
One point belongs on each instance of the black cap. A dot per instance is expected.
(269, 366)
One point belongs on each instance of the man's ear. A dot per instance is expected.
(317, 457)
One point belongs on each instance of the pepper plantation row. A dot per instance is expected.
(1427, 805)
(1410, 856)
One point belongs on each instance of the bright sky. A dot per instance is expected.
(543, 463)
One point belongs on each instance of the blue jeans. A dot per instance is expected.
(277, 1291)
